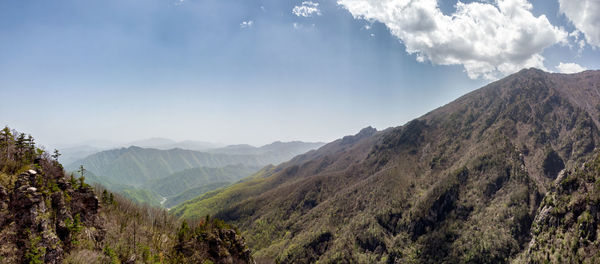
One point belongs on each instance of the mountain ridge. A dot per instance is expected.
(462, 183)
(136, 165)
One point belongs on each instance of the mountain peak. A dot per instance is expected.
(531, 70)
(367, 131)
(486, 160)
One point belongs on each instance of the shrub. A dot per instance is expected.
(35, 253)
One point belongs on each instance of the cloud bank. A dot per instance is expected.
(570, 68)
(585, 16)
(489, 39)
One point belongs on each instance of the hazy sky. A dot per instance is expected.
(256, 71)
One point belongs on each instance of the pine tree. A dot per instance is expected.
(6, 141)
(82, 174)
(56, 154)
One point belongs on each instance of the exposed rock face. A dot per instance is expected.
(566, 227)
(41, 215)
(223, 246)
(85, 204)
(363, 133)
(31, 217)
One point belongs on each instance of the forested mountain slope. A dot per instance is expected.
(475, 181)
(136, 166)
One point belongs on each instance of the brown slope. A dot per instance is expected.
(460, 184)
(581, 89)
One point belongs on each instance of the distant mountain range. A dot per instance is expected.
(136, 166)
(507, 173)
(72, 153)
(164, 144)
(171, 176)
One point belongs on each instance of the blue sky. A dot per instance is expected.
(256, 71)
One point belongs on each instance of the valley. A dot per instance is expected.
(150, 175)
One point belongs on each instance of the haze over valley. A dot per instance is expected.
(160, 175)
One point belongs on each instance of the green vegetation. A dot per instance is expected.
(462, 184)
(74, 226)
(209, 202)
(147, 175)
(47, 216)
(18, 151)
(35, 253)
(142, 196)
(182, 181)
(136, 166)
(567, 228)
(182, 186)
(41, 210)
(193, 193)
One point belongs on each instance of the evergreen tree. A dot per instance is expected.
(56, 154)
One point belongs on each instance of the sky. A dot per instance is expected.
(257, 71)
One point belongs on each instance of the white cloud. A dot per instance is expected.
(489, 39)
(570, 68)
(246, 24)
(307, 9)
(585, 15)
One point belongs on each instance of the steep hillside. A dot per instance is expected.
(463, 183)
(49, 217)
(135, 166)
(191, 178)
(565, 230)
(142, 196)
(192, 193)
(262, 181)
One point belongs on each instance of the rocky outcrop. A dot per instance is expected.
(42, 215)
(32, 216)
(566, 226)
(215, 242)
(47, 216)
(363, 133)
